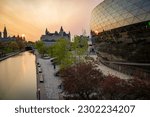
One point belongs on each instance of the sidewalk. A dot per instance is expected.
(108, 71)
(51, 82)
(49, 89)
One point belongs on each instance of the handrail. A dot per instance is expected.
(128, 63)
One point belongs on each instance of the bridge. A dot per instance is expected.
(29, 48)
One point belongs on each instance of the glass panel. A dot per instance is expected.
(121, 22)
(147, 17)
(141, 17)
(129, 15)
(146, 8)
(130, 20)
(141, 11)
(146, 3)
(135, 20)
(134, 12)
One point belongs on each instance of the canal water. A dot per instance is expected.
(18, 77)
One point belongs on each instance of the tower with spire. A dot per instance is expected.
(69, 34)
(61, 32)
(46, 32)
(5, 32)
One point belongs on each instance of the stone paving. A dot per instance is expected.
(51, 82)
(108, 71)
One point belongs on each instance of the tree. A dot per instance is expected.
(14, 46)
(138, 89)
(80, 46)
(113, 88)
(60, 50)
(66, 52)
(51, 50)
(81, 81)
(42, 49)
(21, 43)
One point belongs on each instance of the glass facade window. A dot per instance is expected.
(112, 14)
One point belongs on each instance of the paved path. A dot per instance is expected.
(50, 81)
(128, 63)
(108, 71)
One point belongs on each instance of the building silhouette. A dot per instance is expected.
(5, 32)
(50, 38)
(4, 37)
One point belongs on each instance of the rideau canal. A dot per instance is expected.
(18, 77)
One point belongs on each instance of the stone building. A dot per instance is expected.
(50, 38)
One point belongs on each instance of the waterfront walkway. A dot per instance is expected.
(109, 71)
(51, 82)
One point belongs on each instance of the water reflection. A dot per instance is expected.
(18, 77)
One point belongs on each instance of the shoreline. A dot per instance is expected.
(10, 55)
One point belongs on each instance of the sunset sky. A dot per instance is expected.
(31, 17)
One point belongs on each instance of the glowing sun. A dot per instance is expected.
(23, 35)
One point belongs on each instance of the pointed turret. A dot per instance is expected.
(56, 33)
(69, 35)
(61, 31)
(5, 32)
(46, 32)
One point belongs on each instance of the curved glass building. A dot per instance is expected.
(121, 19)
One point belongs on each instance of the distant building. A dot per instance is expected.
(51, 38)
(4, 37)
(5, 32)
